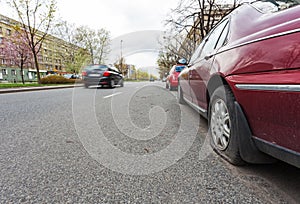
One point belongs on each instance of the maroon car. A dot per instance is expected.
(245, 79)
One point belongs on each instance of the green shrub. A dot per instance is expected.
(56, 79)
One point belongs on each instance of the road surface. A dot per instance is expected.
(133, 144)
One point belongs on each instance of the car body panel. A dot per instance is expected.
(256, 92)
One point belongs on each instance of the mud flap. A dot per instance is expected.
(247, 148)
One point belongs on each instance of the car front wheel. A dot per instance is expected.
(222, 121)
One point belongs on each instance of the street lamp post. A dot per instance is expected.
(121, 60)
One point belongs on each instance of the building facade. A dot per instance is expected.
(52, 58)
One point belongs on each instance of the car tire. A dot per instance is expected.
(86, 86)
(112, 84)
(122, 83)
(180, 95)
(222, 122)
(167, 85)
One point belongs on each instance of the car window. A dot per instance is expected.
(97, 67)
(273, 6)
(179, 68)
(114, 69)
(223, 37)
(197, 52)
(211, 41)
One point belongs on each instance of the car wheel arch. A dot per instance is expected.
(247, 149)
(215, 82)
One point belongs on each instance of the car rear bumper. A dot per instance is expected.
(174, 83)
(97, 81)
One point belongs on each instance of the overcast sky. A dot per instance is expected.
(120, 17)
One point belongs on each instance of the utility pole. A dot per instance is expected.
(121, 60)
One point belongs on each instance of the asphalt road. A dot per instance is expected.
(133, 144)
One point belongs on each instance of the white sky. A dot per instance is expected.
(120, 17)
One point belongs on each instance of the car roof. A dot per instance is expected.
(248, 23)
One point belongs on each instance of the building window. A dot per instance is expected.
(4, 71)
(0, 30)
(8, 32)
(13, 72)
(1, 39)
(2, 61)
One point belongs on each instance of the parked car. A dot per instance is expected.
(102, 75)
(245, 79)
(71, 76)
(151, 79)
(172, 78)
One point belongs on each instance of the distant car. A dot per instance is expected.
(164, 79)
(245, 78)
(102, 75)
(151, 79)
(71, 76)
(172, 78)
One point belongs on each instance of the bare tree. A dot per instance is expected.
(85, 38)
(73, 56)
(165, 61)
(36, 17)
(198, 16)
(122, 66)
(103, 45)
(188, 24)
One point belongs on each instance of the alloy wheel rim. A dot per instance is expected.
(220, 124)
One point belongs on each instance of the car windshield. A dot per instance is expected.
(272, 6)
(179, 68)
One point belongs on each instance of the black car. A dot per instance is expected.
(102, 75)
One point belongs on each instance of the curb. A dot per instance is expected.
(15, 90)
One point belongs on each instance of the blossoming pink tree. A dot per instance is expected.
(16, 52)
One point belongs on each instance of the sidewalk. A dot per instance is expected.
(23, 89)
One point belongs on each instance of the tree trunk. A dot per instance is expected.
(22, 75)
(37, 67)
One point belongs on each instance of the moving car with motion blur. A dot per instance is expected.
(102, 75)
(245, 79)
(172, 78)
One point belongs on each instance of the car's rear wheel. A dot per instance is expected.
(122, 83)
(222, 121)
(112, 83)
(167, 85)
(86, 85)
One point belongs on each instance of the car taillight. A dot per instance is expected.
(106, 74)
(84, 74)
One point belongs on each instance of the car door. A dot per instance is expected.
(184, 76)
(199, 72)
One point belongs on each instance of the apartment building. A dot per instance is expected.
(52, 57)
